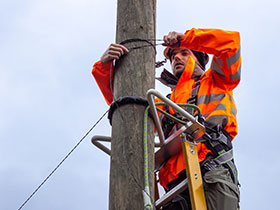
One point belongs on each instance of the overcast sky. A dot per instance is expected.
(49, 99)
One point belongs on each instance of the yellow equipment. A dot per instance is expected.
(183, 139)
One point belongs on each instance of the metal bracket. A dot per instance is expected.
(95, 142)
(194, 128)
(172, 194)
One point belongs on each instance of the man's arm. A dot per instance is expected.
(224, 45)
(103, 70)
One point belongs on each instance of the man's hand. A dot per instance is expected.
(173, 39)
(114, 51)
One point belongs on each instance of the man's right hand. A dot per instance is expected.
(114, 51)
(172, 39)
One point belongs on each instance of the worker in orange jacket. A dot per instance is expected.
(211, 91)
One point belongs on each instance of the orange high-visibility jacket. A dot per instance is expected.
(214, 98)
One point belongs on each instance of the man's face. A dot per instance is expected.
(179, 58)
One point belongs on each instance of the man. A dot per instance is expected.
(211, 91)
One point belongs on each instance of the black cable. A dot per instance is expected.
(142, 46)
(80, 141)
(154, 39)
(32, 194)
(149, 41)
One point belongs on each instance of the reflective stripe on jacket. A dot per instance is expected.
(214, 98)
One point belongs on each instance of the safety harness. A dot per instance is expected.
(216, 139)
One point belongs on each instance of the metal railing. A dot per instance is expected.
(194, 128)
(169, 147)
(97, 138)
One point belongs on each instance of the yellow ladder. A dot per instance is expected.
(173, 145)
(183, 139)
(180, 140)
(194, 175)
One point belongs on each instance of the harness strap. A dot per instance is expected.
(224, 157)
(233, 170)
(218, 140)
(193, 98)
(223, 152)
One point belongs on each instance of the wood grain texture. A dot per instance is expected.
(133, 76)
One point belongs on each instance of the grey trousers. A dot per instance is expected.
(220, 192)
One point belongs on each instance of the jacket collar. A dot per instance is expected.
(168, 79)
(192, 71)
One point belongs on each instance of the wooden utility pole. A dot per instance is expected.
(133, 76)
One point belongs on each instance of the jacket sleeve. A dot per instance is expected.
(101, 72)
(225, 46)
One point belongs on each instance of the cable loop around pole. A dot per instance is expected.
(150, 44)
(124, 101)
